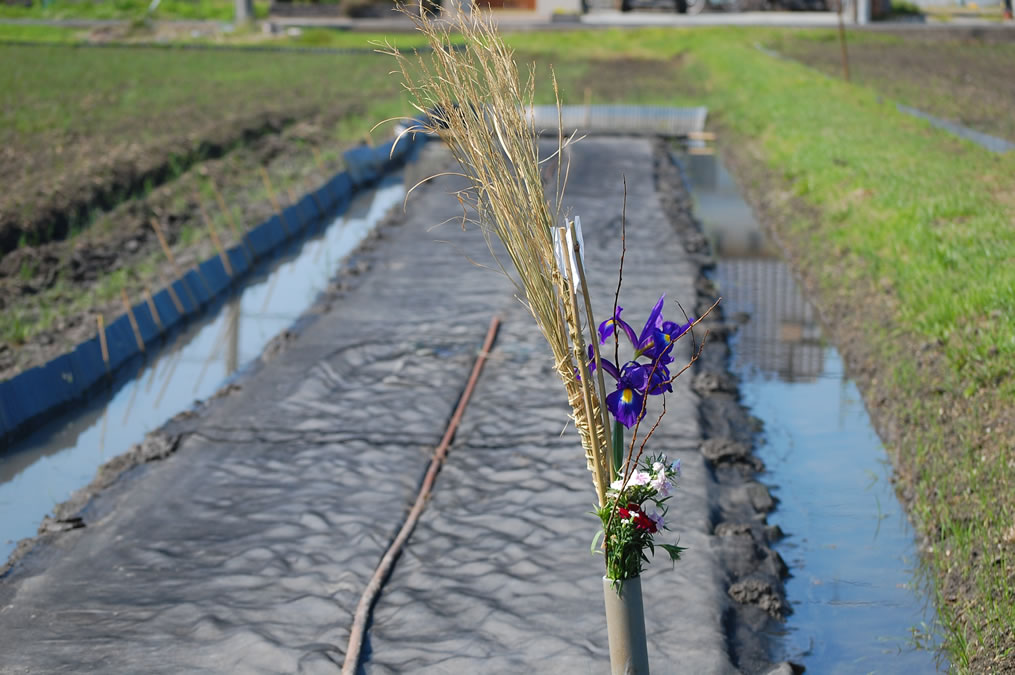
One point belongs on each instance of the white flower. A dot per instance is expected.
(659, 467)
(639, 478)
(661, 484)
(617, 484)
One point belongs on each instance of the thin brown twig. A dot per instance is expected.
(628, 465)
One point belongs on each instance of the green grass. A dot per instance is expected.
(214, 10)
(38, 33)
(904, 207)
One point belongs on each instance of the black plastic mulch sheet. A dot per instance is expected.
(247, 550)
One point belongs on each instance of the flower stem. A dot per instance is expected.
(618, 449)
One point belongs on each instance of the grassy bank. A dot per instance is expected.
(967, 81)
(906, 236)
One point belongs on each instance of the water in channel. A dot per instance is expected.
(858, 602)
(44, 468)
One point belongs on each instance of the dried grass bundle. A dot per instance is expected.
(474, 100)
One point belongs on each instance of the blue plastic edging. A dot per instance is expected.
(33, 393)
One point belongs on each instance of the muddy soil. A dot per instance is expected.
(969, 81)
(56, 289)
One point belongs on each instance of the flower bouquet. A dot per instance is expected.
(471, 97)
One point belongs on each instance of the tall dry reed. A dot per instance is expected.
(473, 99)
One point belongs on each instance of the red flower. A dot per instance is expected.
(643, 522)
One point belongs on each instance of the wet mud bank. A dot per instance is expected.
(240, 535)
(754, 572)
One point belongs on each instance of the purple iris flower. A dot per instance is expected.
(627, 402)
(656, 338)
(636, 380)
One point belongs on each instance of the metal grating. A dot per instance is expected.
(640, 120)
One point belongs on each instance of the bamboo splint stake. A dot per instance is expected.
(215, 238)
(701, 135)
(241, 236)
(175, 298)
(274, 200)
(172, 261)
(130, 317)
(151, 308)
(102, 339)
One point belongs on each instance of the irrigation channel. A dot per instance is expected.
(44, 468)
(859, 605)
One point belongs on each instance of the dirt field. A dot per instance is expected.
(965, 80)
(96, 145)
(94, 150)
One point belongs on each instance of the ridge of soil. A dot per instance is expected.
(754, 572)
(889, 400)
(60, 286)
(106, 180)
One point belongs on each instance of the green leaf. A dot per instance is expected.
(673, 550)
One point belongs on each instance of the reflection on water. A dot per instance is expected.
(850, 545)
(46, 467)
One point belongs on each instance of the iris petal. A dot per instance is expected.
(607, 328)
(654, 321)
(625, 404)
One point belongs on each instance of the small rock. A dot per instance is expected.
(760, 497)
(706, 384)
(754, 591)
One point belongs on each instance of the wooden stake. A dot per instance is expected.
(172, 261)
(176, 299)
(274, 200)
(155, 312)
(133, 321)
(163, 243)
(102, 339)
(701, 135)
(842, 42)
(240, 236)
(215, 238)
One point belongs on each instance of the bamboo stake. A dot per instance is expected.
(172, 261)
(216, 242)
(595, 346)
(579, 349)
(701, 135)
(842, 41)
(151, 308)
(274, 200)
(175, 298)
(102, 339)
(133, 321)
(233, 226)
